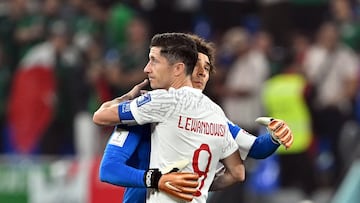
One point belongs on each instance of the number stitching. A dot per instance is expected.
(195, 165)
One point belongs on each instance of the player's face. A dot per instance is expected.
(200, 75)
(158, 70)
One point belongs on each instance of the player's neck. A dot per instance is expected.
(182, 82)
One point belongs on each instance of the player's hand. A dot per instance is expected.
(137, 90)
(181, 185)
(278, 129)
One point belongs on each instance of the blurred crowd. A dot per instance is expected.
(294, 60)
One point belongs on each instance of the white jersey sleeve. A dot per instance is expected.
(230, 146)
(243, 139)
(153, 107)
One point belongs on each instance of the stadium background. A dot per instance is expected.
(50, 150)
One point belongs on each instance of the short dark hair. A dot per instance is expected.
(177, 47)
(207, 48)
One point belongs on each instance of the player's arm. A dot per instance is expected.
(233, 171)
(113, 167)
(263, 147)
(251, 146)
(108, 115)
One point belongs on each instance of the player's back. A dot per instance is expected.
(191, 128)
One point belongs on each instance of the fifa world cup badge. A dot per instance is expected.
(143, 99)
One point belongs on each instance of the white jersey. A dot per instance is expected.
(188, 125)
(244, 139)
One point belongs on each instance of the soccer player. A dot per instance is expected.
(249, 145)
(133, 153)
(189, 126)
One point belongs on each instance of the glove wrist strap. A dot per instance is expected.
(152, 177)
(273, 139)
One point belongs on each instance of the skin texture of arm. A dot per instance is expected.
(234, 172)
(107, 114)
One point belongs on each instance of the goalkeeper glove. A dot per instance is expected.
(278, 129)
(178, 184)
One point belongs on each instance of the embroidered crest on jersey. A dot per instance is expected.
(143, 99)
(118, 138)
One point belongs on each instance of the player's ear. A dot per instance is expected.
(179, 68)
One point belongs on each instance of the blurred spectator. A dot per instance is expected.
(29, 29)
(38, 84)
(86, 26)
(283, 97)
(307, 15)
(95, 90)
(7, 41)
(240, 93)
(332, 70)
(19, 30)
(263, 43)
(119, 15)
(275, 17)
(5, 80)
(98, 89)
(50, 13)
(300, 43)
(125, 65)
(348, 24)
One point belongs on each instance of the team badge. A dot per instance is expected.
(118, 138)
(143, 99)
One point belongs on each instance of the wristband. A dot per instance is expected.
(152, 177)
(273, 139)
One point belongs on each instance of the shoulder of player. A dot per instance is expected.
(158, 95)
(179, 94)
(158, 91)
(173, 92)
